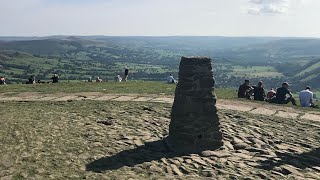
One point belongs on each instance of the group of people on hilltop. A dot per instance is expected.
(98, 79)
(117, 78)
(32, 80)
(281, 96)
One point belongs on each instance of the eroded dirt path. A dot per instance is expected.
(242, 106)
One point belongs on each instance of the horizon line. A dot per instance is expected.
(254, 36)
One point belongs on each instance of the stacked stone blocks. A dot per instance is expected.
(194, 125)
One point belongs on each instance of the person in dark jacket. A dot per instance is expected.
(281, 95)
(243, 89)
(126, 73)
(258, 92)
(55, 78)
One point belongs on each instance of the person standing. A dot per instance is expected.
(306, 97)
(281, 95)
(126, 73)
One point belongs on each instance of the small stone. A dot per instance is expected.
(242, 155)
(180, 159)
(208, 173)
(222, 172)
(262, 175)
(164, 160)
(288, 169)
(236, 141)
(40, 171)
(138, 142)
(169, 170)
(106, 122)
(176, 170)
(84, 156)
(7, 177)
(196, 165)
(155, 168)
(189, 161)
(277, 173)
(97, 144)
(176, 162)
(7, 163)
(228, 145)
(282, 146)
(240, 145)
(199, 160)
(241, 165)
(219, 154)
(317, 168)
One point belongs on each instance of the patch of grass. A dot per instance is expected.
(311, 68)
(255, 71)
(56, 140)
(226, 93)
(130, 87)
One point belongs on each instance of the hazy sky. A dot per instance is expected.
(160, 17)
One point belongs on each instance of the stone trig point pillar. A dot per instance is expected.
(194, 125)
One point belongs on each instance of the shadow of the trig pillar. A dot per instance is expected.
(194, 125)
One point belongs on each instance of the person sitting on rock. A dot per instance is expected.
(258, 92)
(306, 98)
(281, 95)
(244, 89)
(171, 80)
(2, 80)
(55, 78)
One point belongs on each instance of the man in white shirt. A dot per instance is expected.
(171, 80)
(306, 97)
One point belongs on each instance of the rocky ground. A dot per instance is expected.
(122, 137)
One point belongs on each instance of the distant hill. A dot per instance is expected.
(275, 51)
(243, 49)
(289, 59)
(47, 47)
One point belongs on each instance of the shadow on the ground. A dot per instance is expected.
(302, 161)
(149, 152)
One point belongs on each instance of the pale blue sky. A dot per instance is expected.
(295, 18)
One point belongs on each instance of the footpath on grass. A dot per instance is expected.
(243, 106)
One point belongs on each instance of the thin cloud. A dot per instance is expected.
(260, 7)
